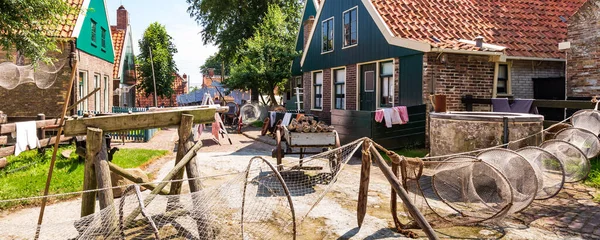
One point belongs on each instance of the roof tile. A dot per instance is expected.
(118, 37)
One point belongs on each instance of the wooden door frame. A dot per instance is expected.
(377, 85)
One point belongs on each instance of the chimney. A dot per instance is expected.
(308, 24)
(479, 41)
(122, 18)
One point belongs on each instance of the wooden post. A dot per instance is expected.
(363, 191)
(184, 131)
(41, 134)
(191, 168)
(414, 211)
(95, 138)
(123, 173)
(393, 197)
(88, 199)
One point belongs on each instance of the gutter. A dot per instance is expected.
(446, 50)
(537, 59)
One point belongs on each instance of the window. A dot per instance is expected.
(387, 84)
(97, 95)
(103, 37)
(106, 94)
(502, 81)
(351, 27)
(82, 90)
(327, 34)
(93, 26)
(339, 88)
(318, 90)
(370, 81)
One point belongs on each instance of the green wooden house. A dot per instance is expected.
(362, 55)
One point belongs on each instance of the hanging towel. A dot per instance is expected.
(523, 106)
(403, 113)
(286, 119)
(501, 105)
(396, 116)
(387, 114)
(272, 114)
(379, 115)
(26, 136)
(215, 130)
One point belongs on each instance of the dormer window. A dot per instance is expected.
(93, 26)
(351, 27)
(327, 36)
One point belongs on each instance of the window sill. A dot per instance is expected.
(103, 49)
(504, 95)
(94, 45)
(350, 46)
(317, 110)
(326, 52)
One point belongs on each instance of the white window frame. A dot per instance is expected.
(508, 80)
(106, 93)
(391, 78)
(344, 29)
(332, 36)
(97, 95)
(377, 87)
(82, 90)
(312, 89)
(375, 81)
(333, 88)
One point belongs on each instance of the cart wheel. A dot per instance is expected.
(279, 150)
(265, 126)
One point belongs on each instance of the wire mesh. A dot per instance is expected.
(551, 176)
(519, 172)
(576, 164)
(44, 75)
(588, 120)
(586, 141)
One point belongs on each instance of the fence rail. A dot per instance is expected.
(132, 135)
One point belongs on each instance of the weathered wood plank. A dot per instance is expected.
(312, 139)
(12, 127)
(134, 121)
(10, 150)
(363, 191)
(124, 173)
(184, 132)
(88, 199)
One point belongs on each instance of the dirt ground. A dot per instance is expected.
(572, 214)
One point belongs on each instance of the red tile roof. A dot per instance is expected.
(528, 28)
(65, 30)
(118, 37)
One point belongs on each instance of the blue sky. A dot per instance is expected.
(184, 30)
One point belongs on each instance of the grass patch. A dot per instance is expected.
(593, 179)
(25, 176)
(408, 152)
(257, 124)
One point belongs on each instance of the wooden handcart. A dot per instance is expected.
(302, 141)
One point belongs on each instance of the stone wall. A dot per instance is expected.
(458, 76)
(583, 62)
(27, 100)
(522, 73)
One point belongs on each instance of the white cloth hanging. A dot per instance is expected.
(26, 136)
(287, 118)
(273, 114)
(387, 115)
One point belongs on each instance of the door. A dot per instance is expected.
(368, 93)
(550, 89)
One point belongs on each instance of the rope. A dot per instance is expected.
(138, 194)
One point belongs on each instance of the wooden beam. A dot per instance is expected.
(83, 99)
(184, 133)
(95, 136)
(12, 127)
(7, 151)
(134, 121)
(123, 173)
(88, 199)
(363, 191)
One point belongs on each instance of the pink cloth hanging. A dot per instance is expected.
(379, 115)
(215, 130)
(403, 113)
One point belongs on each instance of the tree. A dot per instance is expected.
(156, 38)
(266, 57)
(228, 23)
(213, 62)
(31, 26)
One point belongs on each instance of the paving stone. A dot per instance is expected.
(577, 224)
(597, 232)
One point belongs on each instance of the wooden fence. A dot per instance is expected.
(130, 135)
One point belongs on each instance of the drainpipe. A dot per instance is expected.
(505, 138)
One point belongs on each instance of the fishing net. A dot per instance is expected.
(576, 164)
(258, 203)
(588, 120)
(250, 113)
(464, 190)
(585, 140)
(550, 169)
(551, 131)
(519, 172)
(44, 75)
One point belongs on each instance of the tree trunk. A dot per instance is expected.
(254, 95)
(273, 100)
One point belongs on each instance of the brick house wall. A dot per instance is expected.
(96, 66)
(460, 75)
(179, 86)
(522, 73)
(583, 62)
(27, 100)
(351, 87)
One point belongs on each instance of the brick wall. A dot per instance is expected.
(180, 87)
(460, 75)
(583, 61)
(351, 86)
(96, 66)
(522, 73)
(325, 113)
(27, 100)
